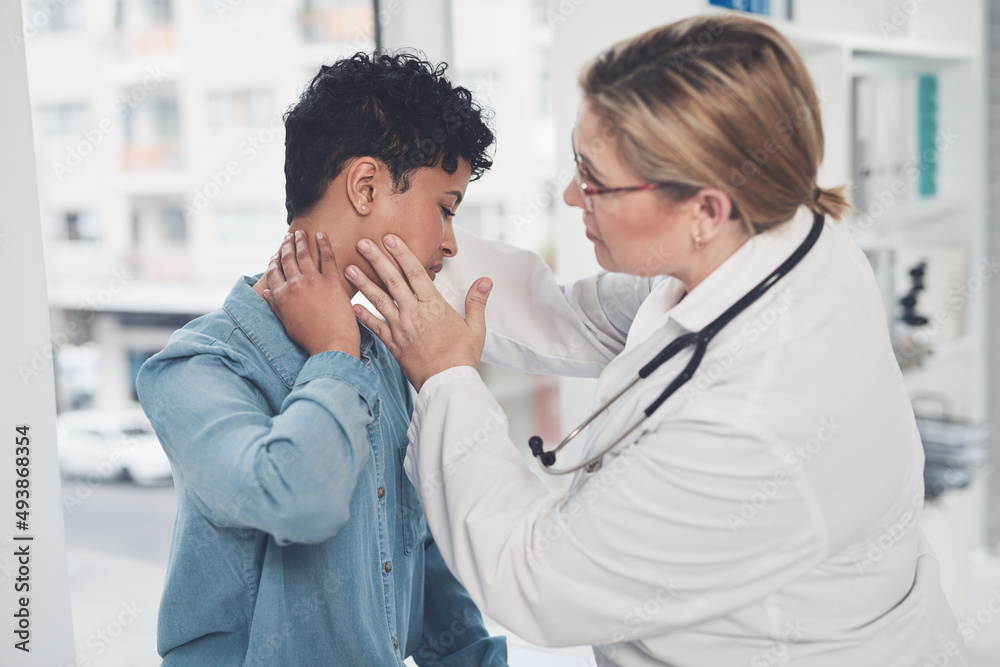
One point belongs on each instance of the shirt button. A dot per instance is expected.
(381, 492)
(388, 567)
(395, 644)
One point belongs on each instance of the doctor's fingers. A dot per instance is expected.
(376, 326)
(387, 269)
(383, 302)
(416, 274)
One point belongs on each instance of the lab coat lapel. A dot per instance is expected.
(749, 265)
(663, 316)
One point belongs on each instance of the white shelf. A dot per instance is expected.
(810, 39)
(911, 48)
(899, 218)
(965, 344)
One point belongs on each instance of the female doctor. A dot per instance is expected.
(765, 512)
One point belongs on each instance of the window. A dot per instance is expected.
(239, 109)
(62, 123)
(166, 120)
(160, 11)
(158, 224)
(143, 14)
(152, 130)
(337, 21)
(65, 16)
(155, 119)
(223, 9)
(249, 225)
(73, 225)
(174, 225)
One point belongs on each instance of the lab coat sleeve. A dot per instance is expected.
(534, 323)
(648, 544)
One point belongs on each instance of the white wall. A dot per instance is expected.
(26, 327)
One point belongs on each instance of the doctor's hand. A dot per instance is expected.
(312, 301)
(421, 329)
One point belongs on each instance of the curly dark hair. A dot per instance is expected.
(394, 107)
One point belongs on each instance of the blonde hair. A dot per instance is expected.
(719, 101)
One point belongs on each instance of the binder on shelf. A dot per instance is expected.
(894, 124)
(927, 106)
(907, 156)
(862, 150)
(752, 6)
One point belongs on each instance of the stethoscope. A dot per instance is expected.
(700, 340)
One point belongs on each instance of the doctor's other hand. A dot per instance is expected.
(312, 301)
(421, 329)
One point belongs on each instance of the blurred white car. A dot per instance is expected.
(111, 444)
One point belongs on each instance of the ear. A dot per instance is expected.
(362, 183)
(712, 207)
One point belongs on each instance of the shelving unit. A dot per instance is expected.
(839, 41)
(954, 217)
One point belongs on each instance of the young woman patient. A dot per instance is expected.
(299, 540)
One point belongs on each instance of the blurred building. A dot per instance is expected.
(160, 148)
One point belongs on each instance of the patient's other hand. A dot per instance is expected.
(312, 301)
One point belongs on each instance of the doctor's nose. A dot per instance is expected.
(573, 197)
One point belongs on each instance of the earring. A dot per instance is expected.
(697, 242)
(364, 208)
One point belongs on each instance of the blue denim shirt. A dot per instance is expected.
(299, 539)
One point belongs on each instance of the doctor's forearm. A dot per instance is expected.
(487, 511)
(536, 324)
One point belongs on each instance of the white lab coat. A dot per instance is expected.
(765, 515)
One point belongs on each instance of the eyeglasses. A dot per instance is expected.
(590, 191)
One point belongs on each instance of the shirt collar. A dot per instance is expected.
(750, 264)
(252, 314)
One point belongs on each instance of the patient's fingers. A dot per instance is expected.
(289, 266)
(327, 261)
(303, 258)
(275, 277)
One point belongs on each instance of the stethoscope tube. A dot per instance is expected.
(700, 340)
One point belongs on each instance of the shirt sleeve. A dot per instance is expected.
(648, 544)
(453, 634)
(290, 474)
(534, 323)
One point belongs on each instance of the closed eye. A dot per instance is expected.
(587, 176)
(447, 212)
